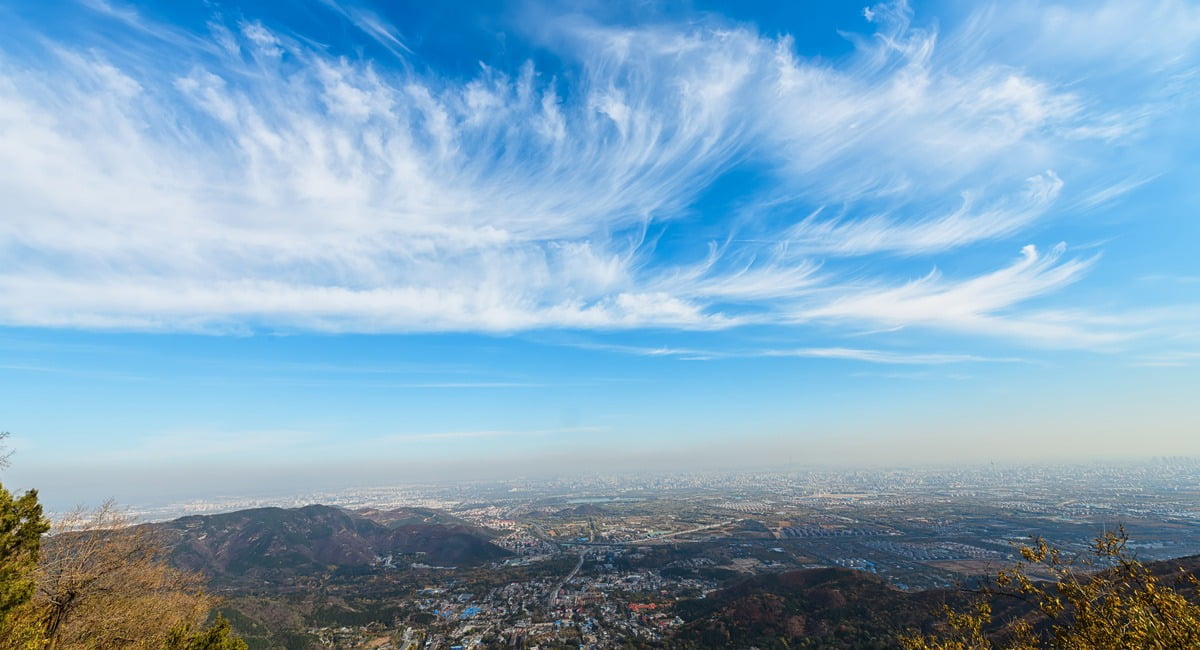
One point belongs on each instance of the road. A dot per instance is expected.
(540, 533)
(651, 540)
(692, 530)
(582, 546)
(559, 586)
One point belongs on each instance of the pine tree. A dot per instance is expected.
(21, 528)
(218, 636)
(99, 582)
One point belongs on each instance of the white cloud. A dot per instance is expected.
(877, 356)
(371, 25)
(967, 224)
(889, 357)
(1174, 359)
(265, 183)
(979, 304)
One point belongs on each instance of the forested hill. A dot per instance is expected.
(265, 542)
(836, 608)
(842, 608)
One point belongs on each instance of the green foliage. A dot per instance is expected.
(1122, 606)
(21, 528)
(218, 636)
(78, 590)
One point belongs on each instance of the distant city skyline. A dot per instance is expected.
(249, 244)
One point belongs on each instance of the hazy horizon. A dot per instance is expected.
(248, 245)
(65, 489)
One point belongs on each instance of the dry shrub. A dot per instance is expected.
(104, 582)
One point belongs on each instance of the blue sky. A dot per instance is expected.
(261, 244)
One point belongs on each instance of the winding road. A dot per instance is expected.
(559, 586)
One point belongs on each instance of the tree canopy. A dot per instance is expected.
(1107, 600)
(21, 528)
(98, 581)
(218, 636)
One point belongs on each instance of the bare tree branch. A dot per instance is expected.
(104, 579)
(5, 451)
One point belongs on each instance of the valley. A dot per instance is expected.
(549, 565)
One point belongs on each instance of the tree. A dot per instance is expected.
(1121, 605)
(98, 582)
(103, 582)
(218, 636)
(5, 452)
(21, 528)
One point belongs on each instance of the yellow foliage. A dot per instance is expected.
(1121, 606)
(103, 582)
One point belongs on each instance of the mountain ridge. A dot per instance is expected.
(272, 541)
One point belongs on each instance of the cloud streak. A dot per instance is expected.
(258, 181)
(887, 357)
(978, 304)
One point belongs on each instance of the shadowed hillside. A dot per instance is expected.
(275, 541)
(820, 607)
(842, 608)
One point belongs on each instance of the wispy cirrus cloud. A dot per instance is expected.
(372, 25)
(888, 357)
(881, 356)
(966, 224)
(978, 304)
(259, 181)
